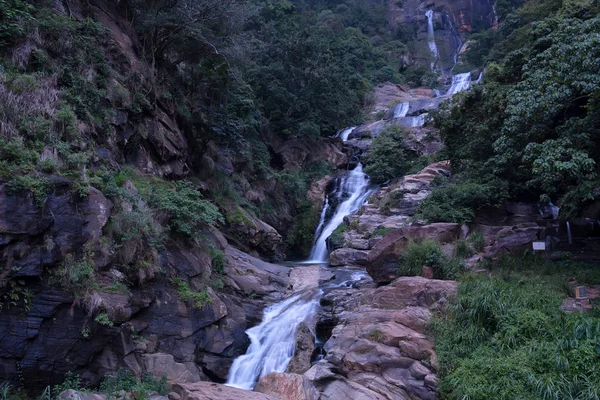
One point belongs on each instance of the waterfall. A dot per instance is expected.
(460, 83)
(273, 342)
(549, 209)
(413, 122)
(431, 38)
(344, 134)
(401, 110)
(354, 188)
(569, 235)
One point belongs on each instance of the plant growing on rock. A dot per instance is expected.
(188, 295)
(387, 156)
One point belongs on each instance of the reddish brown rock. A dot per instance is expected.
(287, 387)
(215, 391)
(383, 259)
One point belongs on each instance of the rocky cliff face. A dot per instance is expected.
(94, 277)
(452, 19)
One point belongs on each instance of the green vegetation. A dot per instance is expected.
(187, 294)
(123, 379)
(505, 337)
(387, 157)
(103, 319)
(457, 202)
(477, 241)
(531, 130)
(75, 274)
(336, 239)
(428, 253)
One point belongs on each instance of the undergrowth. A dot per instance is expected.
(505, 337)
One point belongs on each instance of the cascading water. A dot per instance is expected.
(344, 134)
(414, 122)
(273, 342)
(431, 38)
(354, 188)
(460, 83)
(401, 110)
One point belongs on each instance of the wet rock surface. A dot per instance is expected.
(378, 348)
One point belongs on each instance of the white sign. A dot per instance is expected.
(539, 245)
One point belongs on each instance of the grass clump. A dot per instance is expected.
(477, 241)
(506, 337)
(140, 388)
(463, 249)
(428, 253)
(39, 187)
(188, 295)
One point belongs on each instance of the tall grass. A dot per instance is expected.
(506, 337)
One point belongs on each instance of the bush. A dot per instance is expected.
(428, 253)
(123, 379)
(72, 381)
(76, 275)
(39, 187)
(197, 299)
(463, 249)
(386, 158)
(458, 202)
(189, 212)
(477, 241)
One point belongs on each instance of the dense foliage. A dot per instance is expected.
(533, 128)
(506, 338)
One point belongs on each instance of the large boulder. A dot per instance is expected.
(250, 275)
(348, 257)
(298, 153)
(386, 354)
(287, 387)
(215, 391)
(252, 234)
(382, 260)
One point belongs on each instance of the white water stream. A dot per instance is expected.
(273, 342)
(352, 191)
(431, 38)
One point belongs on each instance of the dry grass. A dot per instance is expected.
(25, 97)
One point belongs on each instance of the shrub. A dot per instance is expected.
(123, 379)
(387, 157)
(72, 381)
(463, 249)
(477, 241)
(74, 274)
(197, 299)
(188, 210)
(39, 187)
(428, 253)
(458, 202)
(103, 319)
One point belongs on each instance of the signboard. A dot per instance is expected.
(580, 292)
(539, 246)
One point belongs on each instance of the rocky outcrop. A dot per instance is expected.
(383, 259)
(251, 234)
(287, 387)
(452, 19)
(391, 208)
(378, 348)
(215, 391)
(301, 153)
